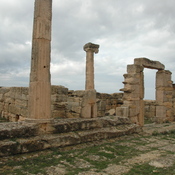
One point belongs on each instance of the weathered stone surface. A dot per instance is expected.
(42, 142)
(39, 102)
(134, 90)
(163, 78)
(122, 111)
(17, 130)
(133, 69)
(87, 130)
(62, 105)
(145, 62)
(90, 49)
(61, 90)
(89, 106)
(111, 112)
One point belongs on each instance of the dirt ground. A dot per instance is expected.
(151, 152)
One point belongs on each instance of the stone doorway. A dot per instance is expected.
(133, 106)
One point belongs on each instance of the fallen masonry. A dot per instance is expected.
(22, 137)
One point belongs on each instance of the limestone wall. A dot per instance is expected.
(173, 100)
(13, 102)
(150, 110)
(64, 103)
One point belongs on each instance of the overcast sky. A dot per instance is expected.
(124, 29)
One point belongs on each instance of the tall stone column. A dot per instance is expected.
(90, 50)
(89, 106)
(40, 85)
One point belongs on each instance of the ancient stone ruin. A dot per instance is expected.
(40, 86)
(44, 116)
(133, 106)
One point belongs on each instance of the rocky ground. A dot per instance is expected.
(151, 152)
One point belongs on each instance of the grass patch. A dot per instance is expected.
(146, 169)
(169, 133)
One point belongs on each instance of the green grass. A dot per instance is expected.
(146, 169)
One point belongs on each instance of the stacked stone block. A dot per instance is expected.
(133, 94)
(164, 96)
(14, 103)
(173, 100)
(108, 102)
(133, 106)
(59, 97)
(150, 110)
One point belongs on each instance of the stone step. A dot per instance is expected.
(68, 125)
(41, 142)
(11, 130)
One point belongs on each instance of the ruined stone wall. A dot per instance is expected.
(64, 103)
(173, 100)
(107, 103)
(13, 102)
(150, 110)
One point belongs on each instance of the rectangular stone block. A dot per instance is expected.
(122, 111)
(163, 78)
(133, 69)
(145, 62)
(160, 112)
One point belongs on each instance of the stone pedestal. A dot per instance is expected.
(40, 85)
(89, 106)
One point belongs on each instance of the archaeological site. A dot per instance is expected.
(43, 116)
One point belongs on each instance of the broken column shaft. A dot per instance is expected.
(40, 85)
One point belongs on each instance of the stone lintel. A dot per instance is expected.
(90, 46)
(147, 63)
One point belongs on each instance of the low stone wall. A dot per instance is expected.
(150, 110)
(64, 103)
(13, 102)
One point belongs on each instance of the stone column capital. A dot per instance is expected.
(91, 47)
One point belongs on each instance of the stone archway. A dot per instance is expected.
(133, 106)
